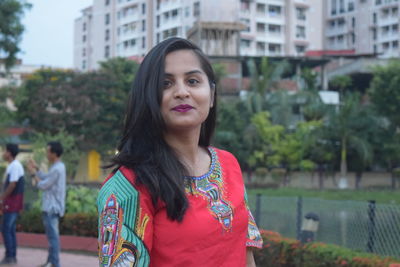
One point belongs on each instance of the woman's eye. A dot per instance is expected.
(167, 84)
(193, 81)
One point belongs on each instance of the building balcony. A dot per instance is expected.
(336, 31)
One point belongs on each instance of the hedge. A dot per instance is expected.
(80, 224)
(285, 252)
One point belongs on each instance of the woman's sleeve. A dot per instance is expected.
(125, 229)
(254, 238)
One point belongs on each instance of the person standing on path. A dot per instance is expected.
(53, 185)
(11, 202)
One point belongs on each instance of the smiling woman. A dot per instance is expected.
(174, 200)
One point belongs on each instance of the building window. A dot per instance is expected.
(353, 22)
(247, 23)
(395, 44)
(143, 8)
(353, 38)
(260, 8)
(374, 18)
(158, 4)
(174, 13)
(196, 9)
(84, 52)
(158, 38)
(187, 11)
(84, 64)
(350, 6)
(261, 27)
(300, 49)
(386, 46)
(378, 2)
(374, 35)
(333, 7)
(107, 51)
(244, 43)
(260, 47)
(340, 39)
(300, 32)
(143, 25)
(174, 32)
(84, 38)
(395, 28)
(245, 5)
(274, 11)
(84, 26)
(107, 35)
(274, 48)
(274, 29)
(107, 2)
(158, 21)
(107, 19)
(300, 13)
(341, 6)
(143, 42)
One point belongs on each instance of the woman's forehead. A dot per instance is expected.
(182, 61)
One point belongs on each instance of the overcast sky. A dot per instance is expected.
(48, 37)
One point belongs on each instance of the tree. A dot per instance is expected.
(89, 106)
(11, 29)
(384, 91)
(347, 125)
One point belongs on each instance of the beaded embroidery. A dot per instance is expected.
(211, 187)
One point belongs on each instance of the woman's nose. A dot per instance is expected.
(181, 91)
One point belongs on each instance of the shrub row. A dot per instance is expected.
(80, 224)
(285, 252)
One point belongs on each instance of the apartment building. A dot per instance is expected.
(281, 28)
(129, 28)
(365, 26)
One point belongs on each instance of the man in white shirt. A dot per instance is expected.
(11, 202)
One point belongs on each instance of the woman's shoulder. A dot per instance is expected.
(224, 154)
(121, 173)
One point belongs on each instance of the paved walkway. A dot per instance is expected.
(33, 257)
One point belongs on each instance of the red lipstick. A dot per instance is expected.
(182, 108)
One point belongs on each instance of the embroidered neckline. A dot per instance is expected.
(213, 154)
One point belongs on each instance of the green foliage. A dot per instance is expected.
(54, 100)
(341, 82)
(280, 251)
(70, 156)
(384, 91)
(80, 224)
(11, 29)
(220, 72)
(81, 199)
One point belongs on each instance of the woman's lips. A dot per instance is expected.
(182, 108)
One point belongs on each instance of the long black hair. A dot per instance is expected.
(142, 147)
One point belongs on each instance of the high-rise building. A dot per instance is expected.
(365, 26)
(129, 28)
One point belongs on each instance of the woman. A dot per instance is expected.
(173, 200)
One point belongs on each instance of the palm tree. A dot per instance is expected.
(346, 125)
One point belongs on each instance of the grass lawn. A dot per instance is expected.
(380, 196)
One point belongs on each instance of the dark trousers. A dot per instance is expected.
(9, 233)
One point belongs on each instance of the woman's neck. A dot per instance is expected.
(186, 146)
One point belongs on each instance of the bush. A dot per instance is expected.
(286, 252)
(79, 224)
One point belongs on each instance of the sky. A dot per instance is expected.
(48, 36)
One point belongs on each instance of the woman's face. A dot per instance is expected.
(187, 96)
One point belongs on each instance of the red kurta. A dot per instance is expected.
(216, 229)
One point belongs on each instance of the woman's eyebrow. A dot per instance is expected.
(186, 73)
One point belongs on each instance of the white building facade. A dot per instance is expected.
(365, 26)
(129, 28)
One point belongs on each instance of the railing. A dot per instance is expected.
(363, 226)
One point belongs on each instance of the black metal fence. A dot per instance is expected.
(362, 226)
